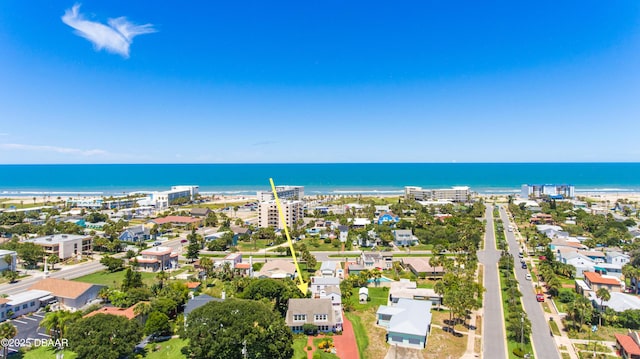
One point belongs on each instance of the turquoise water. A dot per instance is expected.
(382, 279)
(342, 178)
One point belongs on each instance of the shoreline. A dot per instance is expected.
(32, 199)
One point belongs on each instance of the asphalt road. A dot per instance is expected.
(493, 335)
(543, 344)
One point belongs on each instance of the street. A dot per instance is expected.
(493, 334)
(544, 345)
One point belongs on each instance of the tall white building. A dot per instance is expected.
(64, 245)
(163, 199)
(284, 192)
(551, 190)
(268, 213)
(455, 194)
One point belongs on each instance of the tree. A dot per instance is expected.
(57, 323)
(142, 309)
(193, 249)
(157, 325)
(207, 266)
(236, 329)
(7, 331)
(104, 336)
(604, 295)
(132, 279)
(580, 310)
(276, 291)
(10, 275)
(53, 259)
(112, 264)
(30, 253)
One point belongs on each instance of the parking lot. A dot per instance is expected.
(28, 328)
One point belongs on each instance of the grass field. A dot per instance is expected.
(43, 353)
(114, 279)
(299, 346)
(171, 349)
(360, 332)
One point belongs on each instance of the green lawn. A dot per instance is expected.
(360, 332)
(250, 246)
(319, 245)
(299, 346)
(378, 296)
(44, 353)
(114, 279)
(166, 350)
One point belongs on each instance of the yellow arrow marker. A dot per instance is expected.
(302, 286)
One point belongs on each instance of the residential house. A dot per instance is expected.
(421, 267)
(404, 237)
(381, 209)
(197, 302)
(617, 258)
(317, 284)
(65, 246)
(157, 258)
(595, 256)
(628, 345)
(408, 322)
(343, 233)
(594, 281)
(129, 313)
(277, 268)
(233, 259)
(541, 218)
(579, 261)
(369, 261)
(332, 292)
(614, 270)
(8, 260)
(71, 295)
(180, 221)
(329, 268)
(406, 289)
(359, 222)
(200, 212)
(239, 232)
(618, 302)
(135, 234)
(318, 312)
(387, 217)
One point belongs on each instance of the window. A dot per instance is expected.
(299, 317)
(32, 304)
(323, 328)
(25, 306)
(320, 318)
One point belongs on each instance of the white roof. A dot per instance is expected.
(361, 221)
(414, 318)
(618, 301)
(56, 238)
(27, 296)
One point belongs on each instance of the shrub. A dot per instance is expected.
(309, 348)
(566, 296)
(518, 352)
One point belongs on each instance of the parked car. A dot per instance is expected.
(183, 241)
(528, 276)
(157, 243)
(524, 265)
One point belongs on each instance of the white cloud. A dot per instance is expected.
(115, 38)
(64, 150)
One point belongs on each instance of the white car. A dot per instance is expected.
(528, 276)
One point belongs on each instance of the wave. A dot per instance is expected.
(365, 191)
(606, 190)
(47, 193)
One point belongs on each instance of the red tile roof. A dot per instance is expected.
(193, 285)
(129, 313)
(242, 266)
(596, 278)
(627, 343)
(175, 219)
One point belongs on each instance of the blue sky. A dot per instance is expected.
(319, 81)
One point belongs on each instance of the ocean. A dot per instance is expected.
(329, 178)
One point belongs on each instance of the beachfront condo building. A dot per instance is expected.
(284, 192)
(165, 198)
(553, 191)
(65, 246)
(268, 213)
(454, 194)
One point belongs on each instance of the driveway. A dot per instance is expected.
(28, 328)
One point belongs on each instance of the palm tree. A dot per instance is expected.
(604, 295)
(162, 276)
(7, 331)
(57, 323)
